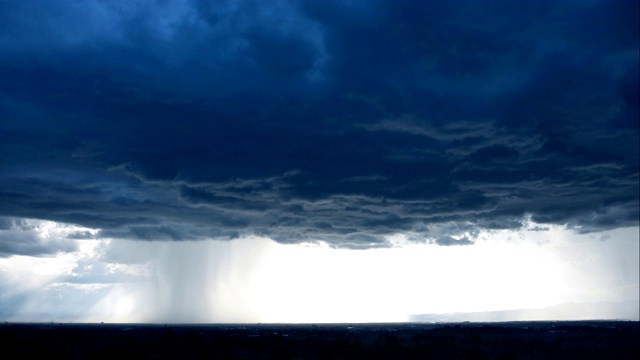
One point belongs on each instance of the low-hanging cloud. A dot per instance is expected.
(20, 237)
(312, 121)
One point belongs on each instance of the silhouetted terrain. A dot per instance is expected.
(515, 340)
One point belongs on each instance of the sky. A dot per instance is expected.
(317, 161)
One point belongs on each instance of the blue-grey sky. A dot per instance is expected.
(340, 122)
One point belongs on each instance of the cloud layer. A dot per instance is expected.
(303, 121)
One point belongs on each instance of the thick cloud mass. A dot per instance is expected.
(334, 121)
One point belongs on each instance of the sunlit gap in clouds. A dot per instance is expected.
(255, 279)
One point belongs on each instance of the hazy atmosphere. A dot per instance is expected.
(319, 161)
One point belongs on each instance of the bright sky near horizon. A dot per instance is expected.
(293, 161)
(258, 280)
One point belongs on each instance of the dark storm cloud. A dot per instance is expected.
(334, 121)
(5, 223)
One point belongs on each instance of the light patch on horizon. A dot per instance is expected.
(258, 280)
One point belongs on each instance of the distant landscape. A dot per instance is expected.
(508, 340)
(628, 310)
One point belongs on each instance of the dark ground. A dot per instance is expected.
(516, 340)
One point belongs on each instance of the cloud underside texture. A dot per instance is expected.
(327, 121)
